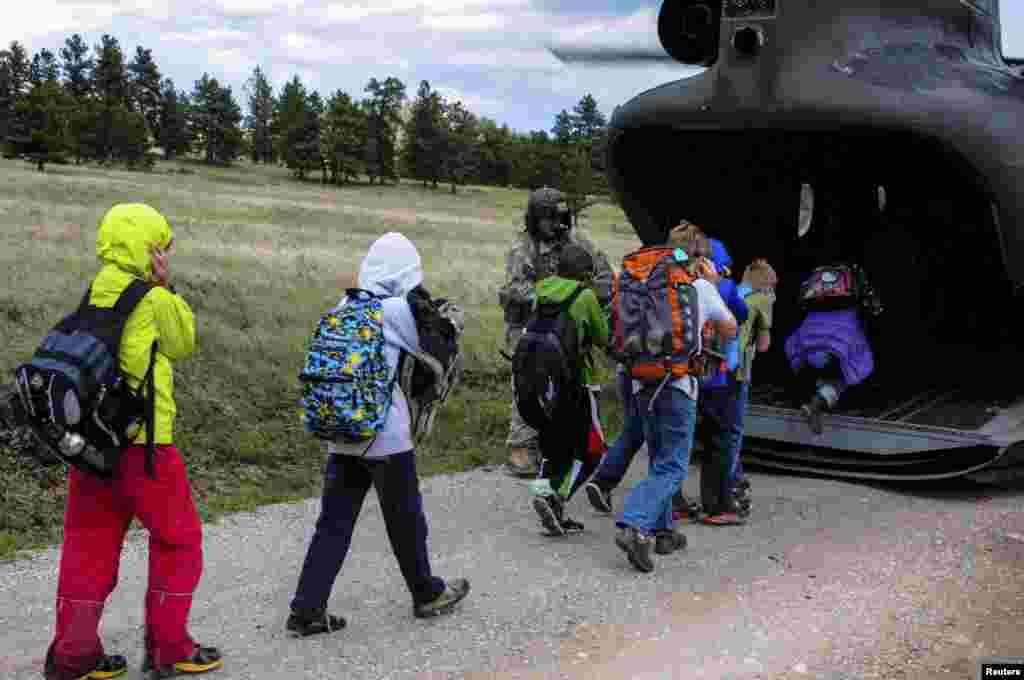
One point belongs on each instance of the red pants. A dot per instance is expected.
(95, 521)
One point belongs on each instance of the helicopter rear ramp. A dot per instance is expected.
(936, 433)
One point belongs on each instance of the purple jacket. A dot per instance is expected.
(838, 333)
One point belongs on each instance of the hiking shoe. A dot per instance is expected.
(667, 541)
(202, 660)
(637, 547)
(600, 499)
(571, 526)
(550, 514)
(684, 510)
(109, 666)
(723, 519)
(454, 592)
(304, 625)
(814, 414)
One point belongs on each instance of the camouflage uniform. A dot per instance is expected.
(530, 260)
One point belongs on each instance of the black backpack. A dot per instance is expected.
(75, 397)
(546, 364)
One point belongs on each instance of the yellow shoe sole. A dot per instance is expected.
(189, 667)
(103, 675)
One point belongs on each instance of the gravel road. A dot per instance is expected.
(830, 580)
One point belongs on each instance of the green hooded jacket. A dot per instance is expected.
(126, 235)
(591, 323)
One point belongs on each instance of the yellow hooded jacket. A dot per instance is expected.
(127, 233)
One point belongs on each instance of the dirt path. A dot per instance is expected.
(830, 580)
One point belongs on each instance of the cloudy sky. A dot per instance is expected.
(488, 53)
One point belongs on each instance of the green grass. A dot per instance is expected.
(259, 258)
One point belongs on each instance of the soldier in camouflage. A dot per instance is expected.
(533, 257)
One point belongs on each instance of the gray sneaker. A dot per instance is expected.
(550, 515)
(454, 592)
(667, 541)
(637, 547)
(600, 499)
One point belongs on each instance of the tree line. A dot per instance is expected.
(96, 104)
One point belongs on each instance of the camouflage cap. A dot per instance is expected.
(545, 198)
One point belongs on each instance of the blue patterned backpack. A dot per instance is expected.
(346, 389)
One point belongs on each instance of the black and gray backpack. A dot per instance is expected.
(75, 397)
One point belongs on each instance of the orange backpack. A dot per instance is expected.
(655, 331)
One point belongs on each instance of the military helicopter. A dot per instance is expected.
(885, 131)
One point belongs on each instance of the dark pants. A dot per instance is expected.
(346, 481)
(721, 433)
(565, 447)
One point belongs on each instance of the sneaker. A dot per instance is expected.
(637, 547)
(454, 592)
(571, 526)
(723, 519)
(304, 625)
(550, 514)
(598, 497)
(109, 666)
(202, 660)
(667, 541)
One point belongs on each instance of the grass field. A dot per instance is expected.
(259, 258)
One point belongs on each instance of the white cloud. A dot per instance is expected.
(209, 36)
(463, 22)
(250, 8)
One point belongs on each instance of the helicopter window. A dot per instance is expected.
(748, 9)
(806, 210)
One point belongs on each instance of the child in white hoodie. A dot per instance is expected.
(393, 271)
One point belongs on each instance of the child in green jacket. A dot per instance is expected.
(572, 446)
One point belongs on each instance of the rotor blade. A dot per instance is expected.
(605, 55)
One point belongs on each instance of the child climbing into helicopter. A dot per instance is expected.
(829, 351)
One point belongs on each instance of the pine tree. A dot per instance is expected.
(462, 156)
(343, 138)
(174, 124)
(423, 149)
(261, 106)
(40, 129)
(564, 130)
(77, 67)
(216, 116)
(587, 118)
(44, 68)
(110, 85)
(19, 69)
(290, 112)
(495, 153)
(383, 109)
(144, 87)
(6, 99)
(110, 77)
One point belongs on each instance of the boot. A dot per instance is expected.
(814, 413)
(522, 462)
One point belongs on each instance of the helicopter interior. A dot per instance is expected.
(916, 215)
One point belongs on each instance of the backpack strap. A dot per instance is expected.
(150, 382)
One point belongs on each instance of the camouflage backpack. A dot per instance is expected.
(346, 389)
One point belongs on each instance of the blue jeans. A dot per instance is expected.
(346, 481)
(668, 429)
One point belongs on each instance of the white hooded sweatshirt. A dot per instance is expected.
(391, 269)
